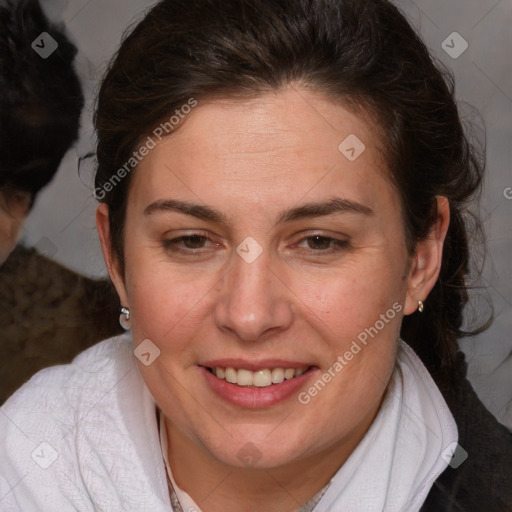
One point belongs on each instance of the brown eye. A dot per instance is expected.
(319, 242)
(193, 241)
(193, 244)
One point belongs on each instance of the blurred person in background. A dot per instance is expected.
(48, 313)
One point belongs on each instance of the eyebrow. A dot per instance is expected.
(335, 205)
(196, 210)
(308, 210)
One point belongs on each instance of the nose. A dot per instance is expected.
(253, 301)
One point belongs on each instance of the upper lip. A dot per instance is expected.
(254, 366)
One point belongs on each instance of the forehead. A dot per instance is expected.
(273, 149)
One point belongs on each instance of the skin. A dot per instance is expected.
(299, 300)
(13, 213)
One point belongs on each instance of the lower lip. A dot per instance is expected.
(254, 397)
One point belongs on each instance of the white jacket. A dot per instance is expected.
(83, 437)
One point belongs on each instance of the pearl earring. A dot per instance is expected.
(124, 318)
(420, 306)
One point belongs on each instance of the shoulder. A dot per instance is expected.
(50, 313)
(482, 482)
(61, 389)
(51, 402)
(65, 434)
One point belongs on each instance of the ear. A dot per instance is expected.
(426, 262)
(111, 261)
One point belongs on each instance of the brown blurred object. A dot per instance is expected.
(48, 314)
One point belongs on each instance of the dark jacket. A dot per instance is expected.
(483, 482)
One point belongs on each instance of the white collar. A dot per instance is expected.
(396, 463)
(186, 502)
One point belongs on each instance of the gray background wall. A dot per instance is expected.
(62, 222)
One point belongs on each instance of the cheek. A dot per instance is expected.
(346, 301)
(356, 313)
(166, 305)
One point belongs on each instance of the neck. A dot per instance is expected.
(217, 487)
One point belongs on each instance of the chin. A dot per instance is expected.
(258, 447)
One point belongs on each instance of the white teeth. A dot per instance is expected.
(261, 378)
(289, 373)
(231, 375)
(277, 375)
(244, 378)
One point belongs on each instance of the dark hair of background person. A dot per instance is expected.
(48, 313)
(40, 109)
(363, 54)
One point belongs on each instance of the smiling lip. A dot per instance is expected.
(254, 366)
(250, 396)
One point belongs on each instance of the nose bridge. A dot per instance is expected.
(253, 300)
(251, 281)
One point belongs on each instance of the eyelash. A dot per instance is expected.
(171, 245)
(336, 245)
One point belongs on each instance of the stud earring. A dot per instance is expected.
(420, 306)
(124, 318)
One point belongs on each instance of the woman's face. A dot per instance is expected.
(257, 239)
